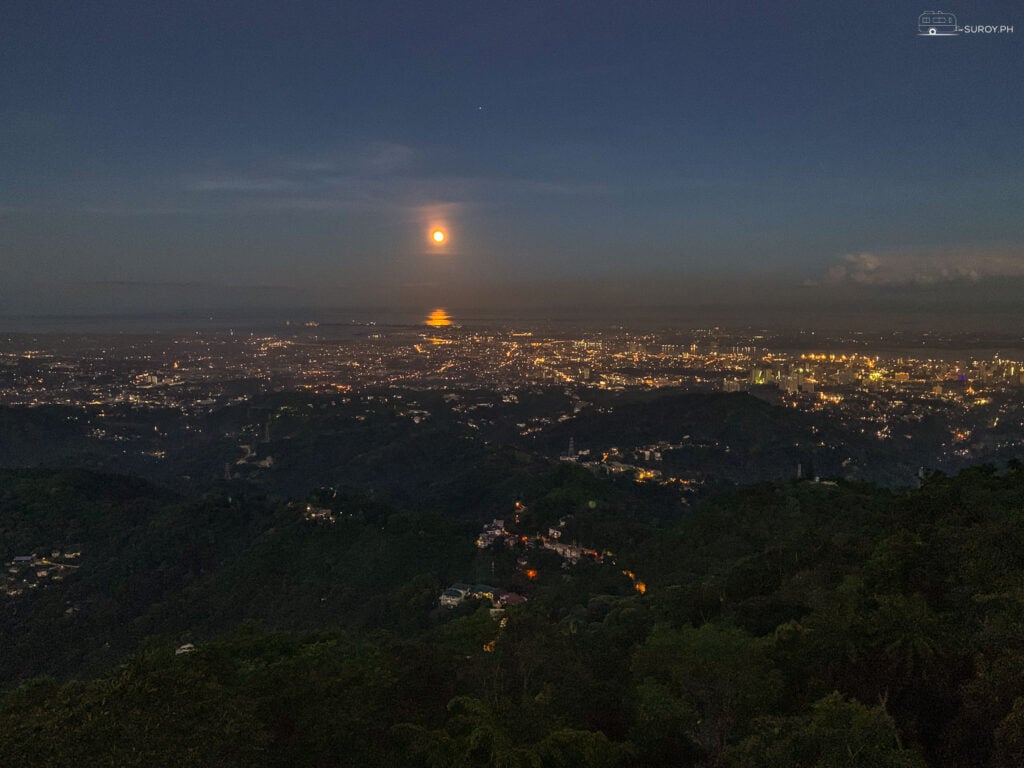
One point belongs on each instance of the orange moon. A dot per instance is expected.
(438, 236)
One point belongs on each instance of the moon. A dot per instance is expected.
(438, 236)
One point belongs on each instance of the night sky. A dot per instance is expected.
(182, 153)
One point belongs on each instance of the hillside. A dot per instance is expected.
(781, 624)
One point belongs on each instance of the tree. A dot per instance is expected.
(706, 683)
(837, 733)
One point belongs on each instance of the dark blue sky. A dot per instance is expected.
(309, 147)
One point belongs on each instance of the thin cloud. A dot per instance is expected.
(243, 184)
(320, 185)
(388, 158)
(924, 267)
(372, 159)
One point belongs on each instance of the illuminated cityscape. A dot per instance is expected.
(507, 384)
(149, 394)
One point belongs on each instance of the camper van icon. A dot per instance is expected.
(937, 23)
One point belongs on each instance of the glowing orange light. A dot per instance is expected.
(438, 319)
(638, 585)
(438, 236)
(531, 573)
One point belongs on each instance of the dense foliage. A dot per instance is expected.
(784, 624)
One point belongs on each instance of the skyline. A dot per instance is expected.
(195, 158)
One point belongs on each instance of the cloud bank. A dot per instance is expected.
(908, 268)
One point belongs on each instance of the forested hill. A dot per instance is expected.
(413, 447)
(782, 624)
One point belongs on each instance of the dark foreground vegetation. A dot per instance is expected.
(784, 624)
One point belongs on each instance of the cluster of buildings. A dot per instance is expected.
(314, 514)
(24, 572)
(132, 390)
(206, 369)
(458, 592)
(633, 462)
(495, 533)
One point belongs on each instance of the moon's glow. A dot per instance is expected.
(438, 236)
(439, 318)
